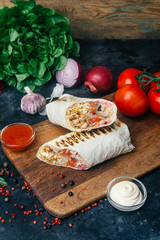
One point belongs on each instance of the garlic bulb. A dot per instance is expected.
(32, 103)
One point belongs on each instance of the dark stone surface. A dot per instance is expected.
(102, 222)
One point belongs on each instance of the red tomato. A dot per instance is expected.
(131, 100)
(128, 76)
(154, 84)
(154, 101)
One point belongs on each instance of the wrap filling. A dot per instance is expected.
(89, 114)
(63, 157)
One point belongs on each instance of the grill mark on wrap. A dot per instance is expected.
(84, 134)
(68, 140)
(118, 123)
(109, 129)
(77, 137)
(63, 143)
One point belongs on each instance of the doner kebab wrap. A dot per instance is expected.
(81, 114)
(83, 150)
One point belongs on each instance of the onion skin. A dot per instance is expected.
(99, 79)
(71, 75)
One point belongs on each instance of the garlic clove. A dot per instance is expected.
(32, 103)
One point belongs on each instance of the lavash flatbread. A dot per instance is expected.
(83, 150)
(81, 114)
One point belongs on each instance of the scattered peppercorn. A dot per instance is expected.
(41, 209)
(63, 185)
(71, 183)
(8, 173)
(5, 164)
(6, 199)
(15, 180)
(49, 225)
(59, 222)
(23, 188)
(70, 194)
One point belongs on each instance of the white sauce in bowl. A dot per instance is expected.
(126, 193)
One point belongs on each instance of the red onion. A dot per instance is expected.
(70, 75)
(99, 79)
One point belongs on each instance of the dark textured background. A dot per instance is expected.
(102, 222)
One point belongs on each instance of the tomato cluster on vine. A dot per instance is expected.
(138, 91)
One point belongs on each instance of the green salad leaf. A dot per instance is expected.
(35, 41)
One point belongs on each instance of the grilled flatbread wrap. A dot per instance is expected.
(83, 150)
(81, 114)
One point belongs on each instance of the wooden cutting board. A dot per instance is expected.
(89, 186)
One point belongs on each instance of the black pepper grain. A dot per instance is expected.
(41, 209)
(15, 180)
(8, 173)
(71, 183)
(70, 194)
(63, 185)
(49, 225)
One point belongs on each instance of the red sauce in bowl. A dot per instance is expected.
(17, 136)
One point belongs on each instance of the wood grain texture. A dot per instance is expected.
(100, 19)
(143, 159)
